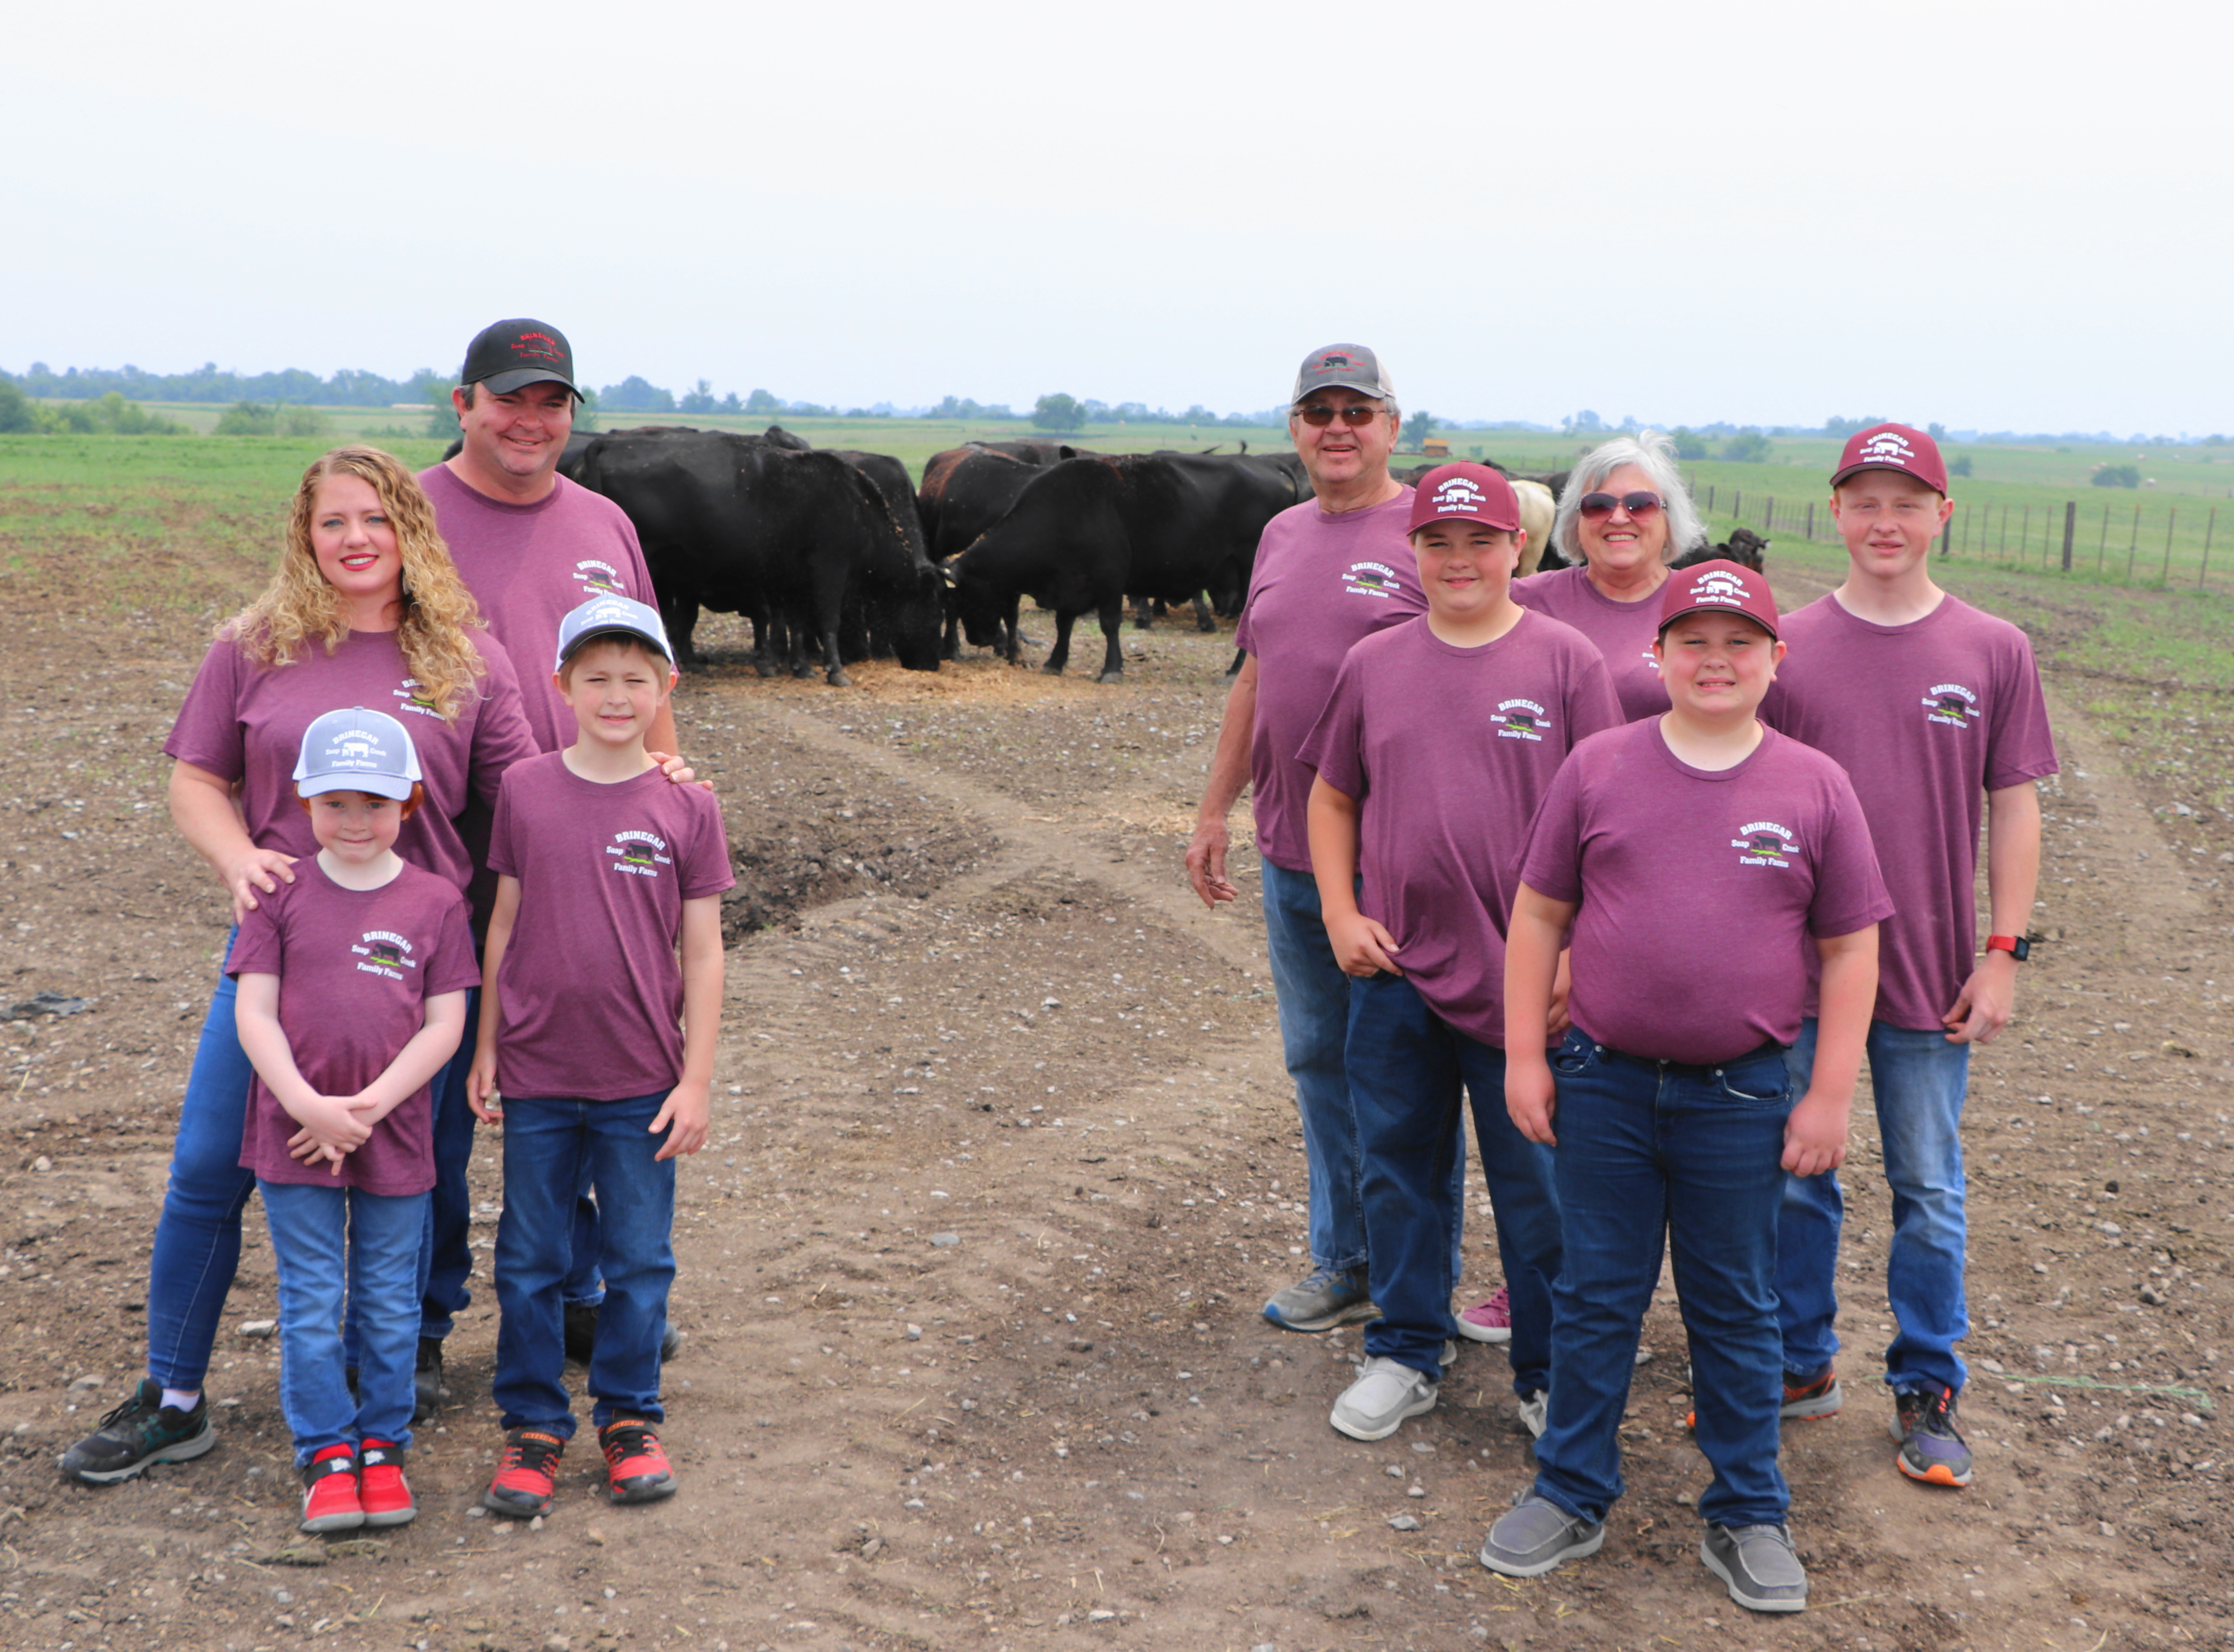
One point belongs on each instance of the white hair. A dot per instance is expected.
(1654, 455)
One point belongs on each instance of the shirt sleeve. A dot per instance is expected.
(2020, 746)
(705, 870)
(258, 949)
(1592, 705)
(501, 859)
(1332, 747)
(1551, 865)
(209, 734)
(501, 736)
(455, 967)
(1850, 891)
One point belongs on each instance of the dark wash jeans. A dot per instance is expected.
(1649, 1149)
(549, 1144)
(1406, 1068)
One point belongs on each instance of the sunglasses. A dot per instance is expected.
(1357, 414)
(1595, 506)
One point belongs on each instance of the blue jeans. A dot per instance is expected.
(548, 1145)
(1653, 1147)
(337, 1247)
(1313, 996)
(1407, 1065)
(1919, 1080)
(197, 1248)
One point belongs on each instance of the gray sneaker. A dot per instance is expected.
(1322, 1301)
(1536, 1536)
(1536, 1412)
(1759, 1565)
(1385, 1392)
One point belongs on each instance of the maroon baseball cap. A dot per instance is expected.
(507, 356)
(1894, 447)
(1719, 587)
(1464, 493)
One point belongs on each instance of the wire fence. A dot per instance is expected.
(2172, 546)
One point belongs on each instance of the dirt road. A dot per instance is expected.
(1004, 1164)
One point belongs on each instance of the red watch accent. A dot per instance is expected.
(2016, 945)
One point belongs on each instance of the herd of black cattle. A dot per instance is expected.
(831, 552)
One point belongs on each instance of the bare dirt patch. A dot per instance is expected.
(1004, 1164)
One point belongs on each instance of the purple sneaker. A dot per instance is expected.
(1489, 1321)
(1931, 1448)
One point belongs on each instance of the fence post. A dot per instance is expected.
(2172, 516)
(1710, 501)
(2024, 539)
(2070, 525)
(1737, 503)
(1769, 516)
(2207, 529)
(2002, 551)
(1811, 521)
(1947, 537)
(2133, 544)
(2104, 540)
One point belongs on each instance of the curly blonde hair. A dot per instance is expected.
(299, 604)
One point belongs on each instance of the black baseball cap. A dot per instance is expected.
(508, 355)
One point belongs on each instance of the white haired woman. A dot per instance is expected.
(1626, 513)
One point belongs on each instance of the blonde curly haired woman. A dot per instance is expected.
(365, 610)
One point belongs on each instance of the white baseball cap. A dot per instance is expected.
(356, 750)
(603, 615)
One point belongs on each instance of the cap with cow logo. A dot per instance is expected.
(1718, 587)
(1347, 367)
(356, 750)
(507, 356)
(1893, 446)
(609, 616)
(1464, 493)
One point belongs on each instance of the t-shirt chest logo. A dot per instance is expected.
(1764, 843)
(383, 953)
(641, 854)
(1951, 704)
(599, 579)
(1521, 720)
(413, 693)
(1370, 579)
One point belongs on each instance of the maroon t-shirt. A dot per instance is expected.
(244, 722)
(529, 567)
(1320, 583)
(590, 987)
(356, 968)
(1623, 631)
(1700, 890)
(1927, 718)
(1448, 750)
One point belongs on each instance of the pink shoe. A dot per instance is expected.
(1488, 1322)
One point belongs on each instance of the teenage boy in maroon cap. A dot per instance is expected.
(1935, 710)
(1695, 856)
(1440, 738)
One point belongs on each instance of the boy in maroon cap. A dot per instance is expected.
(1935, 710)
(1441, 736)
(1696, 856)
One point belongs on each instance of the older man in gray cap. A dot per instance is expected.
(1328, 572)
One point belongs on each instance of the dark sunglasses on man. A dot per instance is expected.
(1595, 506)
(1357, 414)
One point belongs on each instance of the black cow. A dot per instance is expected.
(1246, 491)
(1087, 532)
(965, 490)
(776, 436)
(783, 536)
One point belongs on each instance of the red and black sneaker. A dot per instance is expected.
(380, 1485)
(637, 1469)
(527, 1475)
(329, 1492)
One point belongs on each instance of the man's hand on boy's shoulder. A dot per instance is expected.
(1989, 998)
(676, 769)
(684, 1117)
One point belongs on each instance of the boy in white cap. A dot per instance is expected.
(351, 985)
(1440, 738)
(1691, 860)
(604, 868)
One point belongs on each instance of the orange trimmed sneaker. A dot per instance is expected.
(527, 1475)
(380, 1485)
(330, 1493)
(1931, 1446)
(1810, 1400)
(637, 1469)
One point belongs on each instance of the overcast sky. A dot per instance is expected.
(1991, 215)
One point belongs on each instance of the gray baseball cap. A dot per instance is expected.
(1350, 367)
(602, 615)
(356, 750)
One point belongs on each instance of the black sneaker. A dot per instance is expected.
(428, 1379)
(142, 1430)
(582, 1334)
(1931, 1449)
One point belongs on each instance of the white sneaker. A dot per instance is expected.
(1536, 1412)
(1386, 1393)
